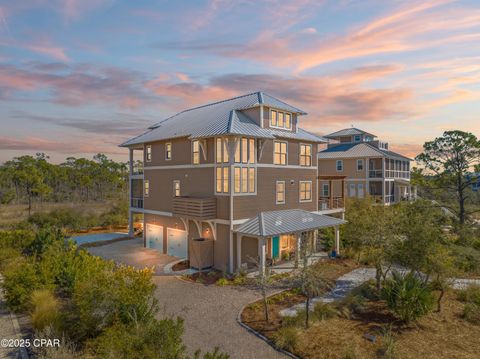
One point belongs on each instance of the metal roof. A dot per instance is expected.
(267, 224)
(353, 150)
(222, 117)
(348, 132)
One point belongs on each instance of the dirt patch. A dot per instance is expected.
(181, 266)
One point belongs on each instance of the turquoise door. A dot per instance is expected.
(276, 247)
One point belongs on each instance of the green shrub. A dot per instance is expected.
(8, 255)
(155, 339)
(466, 259)
(388, 343)
(44, 238)
(366, 290)
(20, 280)
(408, 297)
(352, 303)
(286, 338)
(471, 313)
(296, 320)
(471, 294)
(46, 309)
(16, 238)
(323, 311)
(216, 354)
(222, 281)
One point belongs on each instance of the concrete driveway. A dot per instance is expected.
(132, 252)
(210, 315)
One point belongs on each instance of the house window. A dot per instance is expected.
(195, 152)
(281, 119)
(222, 179)
(359, 165)
(325, 190)
(273, 119)
(288, 120)
(339, 165)
(305, 155)
(146, 188)
(176, 188)
(244, 179)
(245, 150)
(280, 188)
(280, 153)
(351, 190)
(148, 156)
(357, 138)
(168, 151)
(221, 152)
(305, 191)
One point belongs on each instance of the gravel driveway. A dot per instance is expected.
(210, 314)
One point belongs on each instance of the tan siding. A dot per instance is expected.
(249, 206)
(254, 114)
(193, 182)
(266, 118)
(181, 152)
(221, 252)
(328, 167)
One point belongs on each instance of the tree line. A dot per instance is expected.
(26, 179)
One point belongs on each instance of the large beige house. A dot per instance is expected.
(367, 164)
(240, 173)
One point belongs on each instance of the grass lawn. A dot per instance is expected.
(437, 335)
(14, 213)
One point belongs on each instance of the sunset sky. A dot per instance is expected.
(78, 77)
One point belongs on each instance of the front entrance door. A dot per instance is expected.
(276, 247)
(154, 237)
(177, 243)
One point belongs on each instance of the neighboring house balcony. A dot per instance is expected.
(136, 202)
(331, 193)
(388, 168)
(200, 208)
(327, 203)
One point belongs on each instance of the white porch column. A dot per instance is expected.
(315, 237)
(297, 250)
(383, 180)
(239, 251)
(262, 252)
(130, 172)
(337, 240)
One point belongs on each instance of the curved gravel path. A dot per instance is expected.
(210, 315)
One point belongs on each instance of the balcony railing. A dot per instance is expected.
(375, 173)
(327, 203)
(136, 202)
(137, 170)
(195, 207)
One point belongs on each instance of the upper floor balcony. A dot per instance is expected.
(388, 168)
(201, 208)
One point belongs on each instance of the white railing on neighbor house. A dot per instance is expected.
(136, 202)
(327, 203)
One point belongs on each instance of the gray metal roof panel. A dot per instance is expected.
(267, 224)
(301, 134)
(348, 132)
(216, 118)
(362, 149)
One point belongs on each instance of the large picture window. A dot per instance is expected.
(221, 155)
(305, 155)
(222, 179)
(245, 150)
(244, 179)
(305, 191)
(280, 153)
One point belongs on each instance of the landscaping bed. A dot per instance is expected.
(363, 326)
